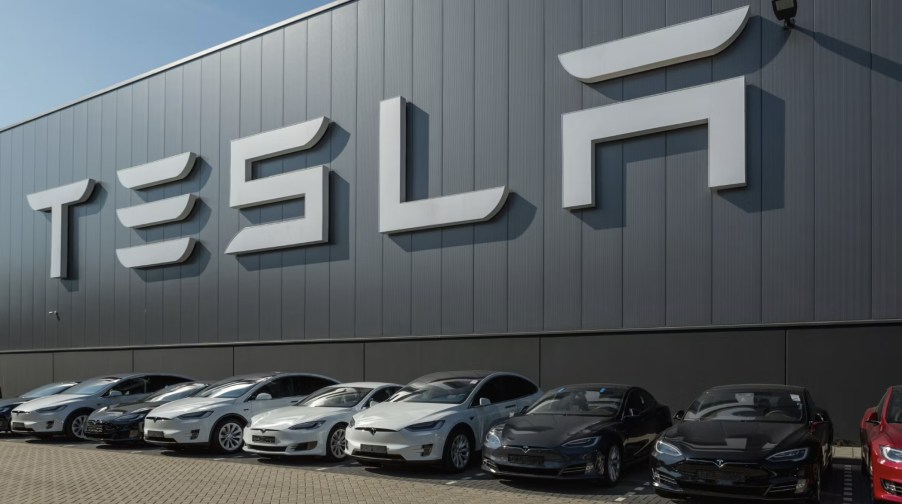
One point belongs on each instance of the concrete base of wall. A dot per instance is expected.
(846, 368)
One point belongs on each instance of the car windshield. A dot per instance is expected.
(894, 409)
(444, 391)
(174, 392)
(47, 390)
(92, 387)
(336, 397)
(588, 401)
(229, 390)
(749, 405)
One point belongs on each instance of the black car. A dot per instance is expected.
(767, 442)
(587, 431)
(121, 423)
(8, 405)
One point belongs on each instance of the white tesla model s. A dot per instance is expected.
(216, 416)
(68, 413)
(441, 417)
(316, 425)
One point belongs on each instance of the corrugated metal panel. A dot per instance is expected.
(79, 227)
(602, 229)
(59, 296)
(26, 243)
(491, 133)
(6, 173)
(526, 158)
(736, 214)
(787, 200)
(208, 253)
(563, 232)
(172, 145)
(156, 101)
(121, 234)
(842, 155)
(107, 198)
(191, 141)
(45, 130)
(93, 278)
(229, 100)
(343, 181)
(424, 164)
(645, 190)
(137, 285)
(396, 257)
(886, 183)
(370, 73)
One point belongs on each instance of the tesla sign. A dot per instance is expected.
(720, 105)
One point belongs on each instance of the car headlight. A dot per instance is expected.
(586, 442)
(426, 426)
(352, 422)
(196, 415)
(493, 438)
(891, 454)
(307, 425)
(51, 409)
(665, 448)
(795, 455)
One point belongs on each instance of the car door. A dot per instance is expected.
(821, 427)
(636, 424)
(484, 417)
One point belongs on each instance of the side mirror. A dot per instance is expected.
(872, 418)
(484, 401)
(114, 393)
(679, 415)
(372, 403)
(263, 396)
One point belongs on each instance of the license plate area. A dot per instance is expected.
(264, 439)
(18, 425)
(155, 434)
(725, 476)
(526, 459)
(374, 449)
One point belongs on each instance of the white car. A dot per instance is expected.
(216, 416)
(68, 413)
(441, 417)
(316, 425)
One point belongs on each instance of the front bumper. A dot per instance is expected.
(395, 446)
(734, 480)
(100, 430)
(37, 423)
(286, 442)
(887, 479)
(545, 463)
(172, 431)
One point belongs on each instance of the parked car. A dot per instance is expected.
(67, 413)
(217, 415)
(316, 425)
(587, 431)
(441, 417)
(767, 442)
(7, 405)
(124, 422)
(881, 446)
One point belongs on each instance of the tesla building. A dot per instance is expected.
(670, 194)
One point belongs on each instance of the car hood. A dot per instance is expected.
(398, 415)
(55, 400)
(551, 430)
(733, 440)
(13, 401)
(118, 410)
(189, 405)
(283, 418)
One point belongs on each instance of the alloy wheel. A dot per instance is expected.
(460, 451)
(338, 443)
(613, 463)
(78, 426)
(230, 436)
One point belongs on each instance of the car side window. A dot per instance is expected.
(306, 385)
(520, 387)
(278, 388)
(647, 400)
(493, 390)
(635, 403)
(159, 382)
(131, 386)
(880, 406)
(382, 395)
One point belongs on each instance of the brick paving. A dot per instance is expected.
(58, 472)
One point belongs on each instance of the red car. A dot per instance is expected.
(881, 446)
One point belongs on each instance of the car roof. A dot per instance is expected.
(122, 376)
(473, 374)
(762, 386)
(593, 385)
(365, 384)
(272, 374)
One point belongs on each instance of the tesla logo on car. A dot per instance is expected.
(720, 105)
(371, 431)
(719, 463)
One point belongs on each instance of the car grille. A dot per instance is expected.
(727, 471)
(264, 448)
(376, 456)
(784, 488)
(534, 471)
(739, 491)
(892, 487)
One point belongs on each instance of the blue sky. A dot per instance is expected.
(55, 51)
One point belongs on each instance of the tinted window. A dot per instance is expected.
(91, 387)
(305, 385)
(519, 387)
(894, 410)
(336, 397)
(582, 401)
(383, 394)
(158, 382)
(452, 390)
(494, 390)
(132, 386)
(47, 390)
(749, 405)
(174, 392)
(881, 405)
(636, 403)
(229, 389)
(278, 388)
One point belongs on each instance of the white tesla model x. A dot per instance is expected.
(217, 415)
(316, 425)
(441, 417)
(68, 413)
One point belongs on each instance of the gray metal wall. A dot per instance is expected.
(815, 236)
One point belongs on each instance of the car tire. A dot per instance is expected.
(609, 462)
(336, 440)
(227, 435)
(74, 426)
(458, 451)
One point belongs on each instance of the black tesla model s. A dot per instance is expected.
(767, 442)
(121, 423)
(588, 431)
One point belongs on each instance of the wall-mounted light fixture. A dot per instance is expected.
(785, 10)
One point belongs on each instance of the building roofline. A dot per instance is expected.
(195, 56)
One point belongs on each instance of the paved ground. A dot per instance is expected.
(49, 472)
